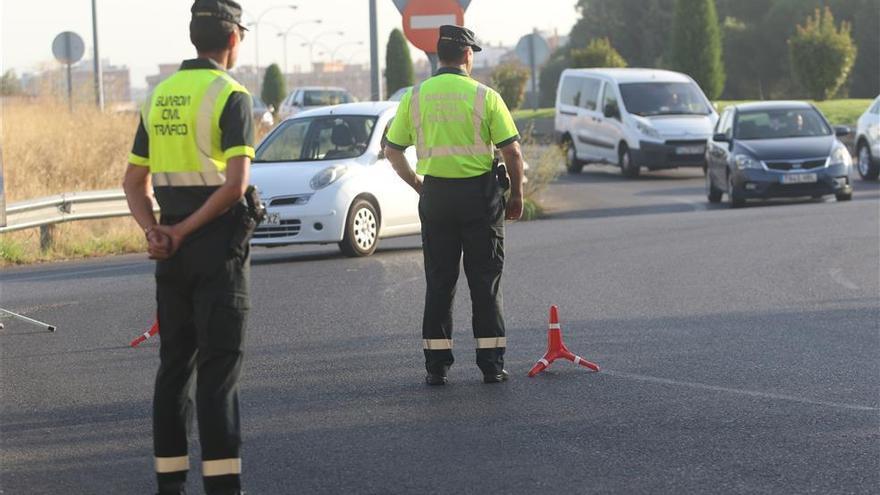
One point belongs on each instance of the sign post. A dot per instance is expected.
(68, 48)
(533, 50)
(422, 20)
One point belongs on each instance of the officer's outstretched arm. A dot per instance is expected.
(401, 166)
(513, 160)
(231, 192)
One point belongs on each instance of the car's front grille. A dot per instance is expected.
(685, 142)
(286, 228)
(796, 165)
(299, 199)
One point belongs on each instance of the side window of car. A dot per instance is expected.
(725, 123)
(609, 103)
(590, 96)
(570, 92)
(876, 108)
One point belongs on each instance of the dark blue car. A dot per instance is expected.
(776, 149)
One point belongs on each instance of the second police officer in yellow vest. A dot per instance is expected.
(194, 144)
(455, 124)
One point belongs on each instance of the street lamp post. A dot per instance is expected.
(315, 40)
(343, 45)
(287, 32)
(256, 25)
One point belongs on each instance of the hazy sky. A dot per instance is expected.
(144, 33)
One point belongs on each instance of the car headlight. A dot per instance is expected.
(327, 176)
(647, 130)
(745, 161)
(839, 156)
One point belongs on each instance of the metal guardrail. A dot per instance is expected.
(66, 207)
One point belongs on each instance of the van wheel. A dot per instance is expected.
(869, 167)
(361, 230)
(734, 197)
(713, 194)
(572, 164)
(627, 166)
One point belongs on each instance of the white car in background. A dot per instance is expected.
(634, 118)
(308, 98)
(868, 142)
(324, 179)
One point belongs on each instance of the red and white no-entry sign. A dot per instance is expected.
(422, 20)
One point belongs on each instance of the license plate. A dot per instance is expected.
(799, 178)
(273, 219)
(690, 150)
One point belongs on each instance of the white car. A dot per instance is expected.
(868, 142)
(324, 179)
(308, 98)
(633, 118)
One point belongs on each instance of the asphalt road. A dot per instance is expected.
(739, 353)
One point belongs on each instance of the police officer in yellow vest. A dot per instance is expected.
(455, 124)
(194, 145)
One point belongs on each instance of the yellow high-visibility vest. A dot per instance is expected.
(454, 123)
(182, 120)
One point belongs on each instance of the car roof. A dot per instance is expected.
(632, 75)
(772, 105)
(321, 88)
(368, 108)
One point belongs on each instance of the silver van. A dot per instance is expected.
(634, 118)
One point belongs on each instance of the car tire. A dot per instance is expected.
(843, 196)
(868, 166)
(734, 198)
(627, 166)
(712, 193)
(361, 230)
(572, 164)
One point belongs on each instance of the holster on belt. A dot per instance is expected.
(248, 216)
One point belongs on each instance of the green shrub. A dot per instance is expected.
(696, 44)
(274, 87)
(822, 55)
(598, 53)
(509, 80)
(398, 63)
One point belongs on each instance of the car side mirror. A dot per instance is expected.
(720, 137)
(611, 111)
(842, 131)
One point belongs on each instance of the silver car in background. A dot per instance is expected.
(868, 142)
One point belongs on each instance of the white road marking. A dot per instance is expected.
(750, 393)
(838, 276)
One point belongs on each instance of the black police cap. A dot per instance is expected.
(459, 35)
(222, 10)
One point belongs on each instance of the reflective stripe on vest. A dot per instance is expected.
(209, 175)
(476, 149)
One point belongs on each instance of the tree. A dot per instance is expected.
(550, 74)
(696, 44)
(638, 29)
(599, 53)
(9, 84)
(822, 55)
(274, 87)
(398, 63)
(510, 79)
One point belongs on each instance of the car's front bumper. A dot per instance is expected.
(300, 224)
(763, 184)
(656, 156)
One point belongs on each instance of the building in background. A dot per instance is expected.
(52, 82)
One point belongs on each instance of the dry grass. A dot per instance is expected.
(545, 165)
(49, 150)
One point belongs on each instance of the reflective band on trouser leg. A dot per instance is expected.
(221, 467)
(437, 344)
(491, 342)
(172, 464)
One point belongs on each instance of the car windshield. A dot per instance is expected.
(780, 124)
(663, 98)
(325, 97)
(329, 137)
